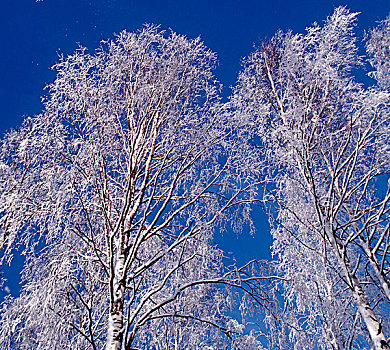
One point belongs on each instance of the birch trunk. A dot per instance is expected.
(115, 321)
(369, 318)
(373, 325)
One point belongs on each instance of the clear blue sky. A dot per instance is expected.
(32, 34)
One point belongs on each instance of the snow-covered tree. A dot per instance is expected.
(323, 143)
(378, 47)
(112, 192)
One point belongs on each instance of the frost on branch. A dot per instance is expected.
(378, 47)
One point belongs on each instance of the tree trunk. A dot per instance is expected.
(369, 318)
(373, 325)
(115, 321)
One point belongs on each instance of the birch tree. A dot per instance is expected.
(323, 144)
(113, 192)
(378, 48)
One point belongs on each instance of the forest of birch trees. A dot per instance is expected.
(115, 192)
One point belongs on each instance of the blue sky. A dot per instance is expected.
(33, 34)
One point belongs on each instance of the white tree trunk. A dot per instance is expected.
(369, 318)
(115, 321)
(373, 325)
